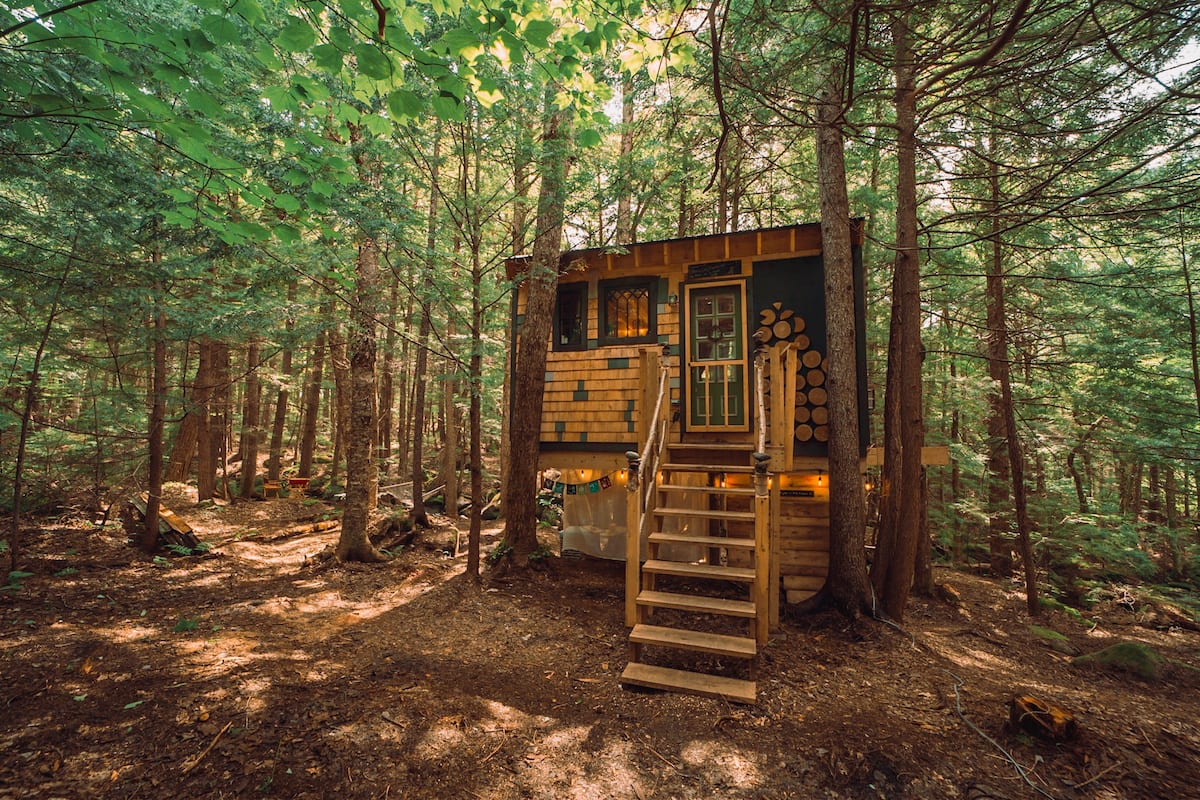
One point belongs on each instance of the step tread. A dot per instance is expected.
(662, 537)
(728, 490)
(679, 680)
(707, 513)
(676, 467)
(710, 571)
(738, 447)
(698, 603)
(702, 642)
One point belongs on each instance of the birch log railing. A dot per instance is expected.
(642, 469)
(762, 498)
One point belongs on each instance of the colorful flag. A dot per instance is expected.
(605, 482)
(594, 487)
(572, 488)
(558, 487)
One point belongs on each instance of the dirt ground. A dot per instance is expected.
(252, 673)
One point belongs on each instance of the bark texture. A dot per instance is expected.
(847, 514)
(520, 493)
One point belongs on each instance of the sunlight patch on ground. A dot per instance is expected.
(970, 657)
(441, 738)
(720, 761)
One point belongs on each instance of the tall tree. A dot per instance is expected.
(520, 492)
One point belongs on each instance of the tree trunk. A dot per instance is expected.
(1153, 497)
(275, 456)
(387, 392)
(1077, 479)
(212, 431)
(312, 394)
(403, 412)
(998, 364)
(520, 493)
(158, 413)
(33, 379)
(624, 230)
(847, 515)
(188, 435)
(425, 301)
(339, 359)
(361, 467)
(249, 445)
(904, 433)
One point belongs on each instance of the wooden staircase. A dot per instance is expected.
(692, 595)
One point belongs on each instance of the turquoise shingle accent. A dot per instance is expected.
(559, 427)
(579, 386)
(583, 437)
(549, 377)
(618, 363)
(580, 394)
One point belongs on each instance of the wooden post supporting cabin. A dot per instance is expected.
(774, 532)
(776, 434)
(648, 378)
(633, 540)
(762, 550)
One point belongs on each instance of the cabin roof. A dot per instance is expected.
(800, 238)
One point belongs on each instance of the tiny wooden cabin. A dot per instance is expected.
(706, 358)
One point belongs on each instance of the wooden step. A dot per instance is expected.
(717, 643)
(700, 604)
(726, 447)
(717, 490)
(660, 537)
(704, 513)
(677, 680)
(709, 571)
(706, 468)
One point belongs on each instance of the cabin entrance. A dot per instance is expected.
(716, 368)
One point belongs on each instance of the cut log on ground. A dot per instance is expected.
(172, 531)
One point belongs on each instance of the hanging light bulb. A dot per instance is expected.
(820, 478)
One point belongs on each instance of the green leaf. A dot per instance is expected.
(460, 42)
(287, 203)
(220, 29)
(296, 36)
(341, 38)
(448, 107)
(286, 234)
(371, 62)
(413, 20)
(327, 57)
(250, 10)
(588, 137)
(204, 103)
(134, 704)
(377, 125)
(403, 104)
(537, 32)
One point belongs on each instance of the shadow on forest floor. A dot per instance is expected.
(248, 674)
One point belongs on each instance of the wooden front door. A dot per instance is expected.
(717, 384)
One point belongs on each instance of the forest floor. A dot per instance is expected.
(253, 672)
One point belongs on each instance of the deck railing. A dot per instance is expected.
(641, 483)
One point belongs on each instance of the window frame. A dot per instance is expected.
(650, 284)
(579, 289)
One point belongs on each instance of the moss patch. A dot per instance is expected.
(1131, 657)
(1046, 633)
